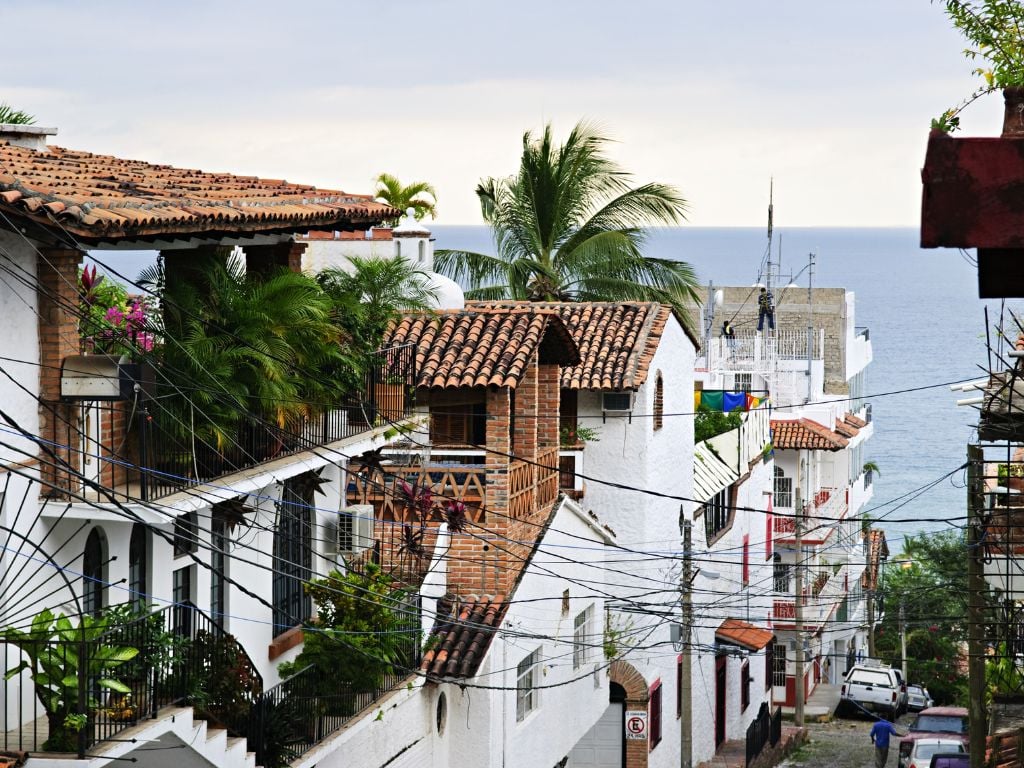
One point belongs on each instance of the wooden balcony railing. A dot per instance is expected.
(463, 482)
(533, 486)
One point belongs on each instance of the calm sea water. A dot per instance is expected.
(927, 327)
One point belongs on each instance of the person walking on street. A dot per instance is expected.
(765, 308)
(880, 733)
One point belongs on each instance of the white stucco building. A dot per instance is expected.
(812, 370)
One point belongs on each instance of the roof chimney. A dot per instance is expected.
(27, 136)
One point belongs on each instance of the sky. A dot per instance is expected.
(831, 100)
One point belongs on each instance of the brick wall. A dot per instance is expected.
(548, 404)
(57, 270)
(264, 258)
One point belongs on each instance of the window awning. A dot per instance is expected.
(743, 634)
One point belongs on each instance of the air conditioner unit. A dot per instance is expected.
(617, 403)
(355, 529)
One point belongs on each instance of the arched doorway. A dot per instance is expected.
(605, 744)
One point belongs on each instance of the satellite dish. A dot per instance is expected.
(719, 297)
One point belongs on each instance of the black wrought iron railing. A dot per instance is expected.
(70, 693)
(300, 712)
(765, 729)
(171, 462)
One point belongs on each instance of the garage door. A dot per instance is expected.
(602, 746)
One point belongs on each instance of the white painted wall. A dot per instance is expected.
(18, 342)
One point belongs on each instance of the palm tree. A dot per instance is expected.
(11, 116)
(570, 227)
(391, 191)
(371, 295)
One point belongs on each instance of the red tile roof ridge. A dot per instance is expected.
(104, 198)
(805, 433)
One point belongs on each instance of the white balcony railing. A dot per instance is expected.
(752, 351)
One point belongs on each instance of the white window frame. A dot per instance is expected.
(581, 636)
(783, 488)
(527, 695)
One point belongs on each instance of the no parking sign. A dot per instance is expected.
(636, 724)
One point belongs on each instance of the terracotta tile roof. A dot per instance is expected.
(878, 549)
(13, 758)
(855, 421)
(482, 347)
(743, 634)
(103, 198)
(806, 434)
(617, 340)
(846, 429)
(461, 635)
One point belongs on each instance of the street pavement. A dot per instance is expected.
(843, 743)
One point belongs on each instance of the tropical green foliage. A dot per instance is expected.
(933, 591)
(994, 30)
(236, 343)
(52, 648)
(568, 226)
(420, 196)
(369, 296)
(11, 116)
(708, 423)
(363, 628)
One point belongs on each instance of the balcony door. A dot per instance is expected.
(90, 431)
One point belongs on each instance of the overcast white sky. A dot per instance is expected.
(831, 98)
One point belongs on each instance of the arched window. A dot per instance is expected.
(781, 573)
(398, 249)
(138, 566)
(422, 252)
(659, 401)
(93, 572)
(783, 488)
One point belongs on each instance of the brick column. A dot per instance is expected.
(480, 563)
(549, 394)
(525, 422)
(261, 259)
(57, 275)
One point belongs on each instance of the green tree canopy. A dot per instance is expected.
(569, 226)
(929, 579)
(995, 34)
(420, 196)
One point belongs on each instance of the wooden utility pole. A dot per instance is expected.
(798, 611)
(975, 609)
(686, 674)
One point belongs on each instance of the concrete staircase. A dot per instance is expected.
(173, 726)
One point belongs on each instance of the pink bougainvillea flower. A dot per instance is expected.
(115, 315)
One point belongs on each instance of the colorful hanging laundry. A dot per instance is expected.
(712, 399)
(752, 402)
(696, 400)
(733, 400)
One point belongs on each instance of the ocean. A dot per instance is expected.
(927, 327)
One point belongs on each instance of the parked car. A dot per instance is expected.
(874, 688)
(924, 749)
(943, 723)
(918, 698)
(950, 760)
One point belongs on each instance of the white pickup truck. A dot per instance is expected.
(874, 688)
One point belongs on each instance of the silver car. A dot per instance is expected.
(918, 698)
